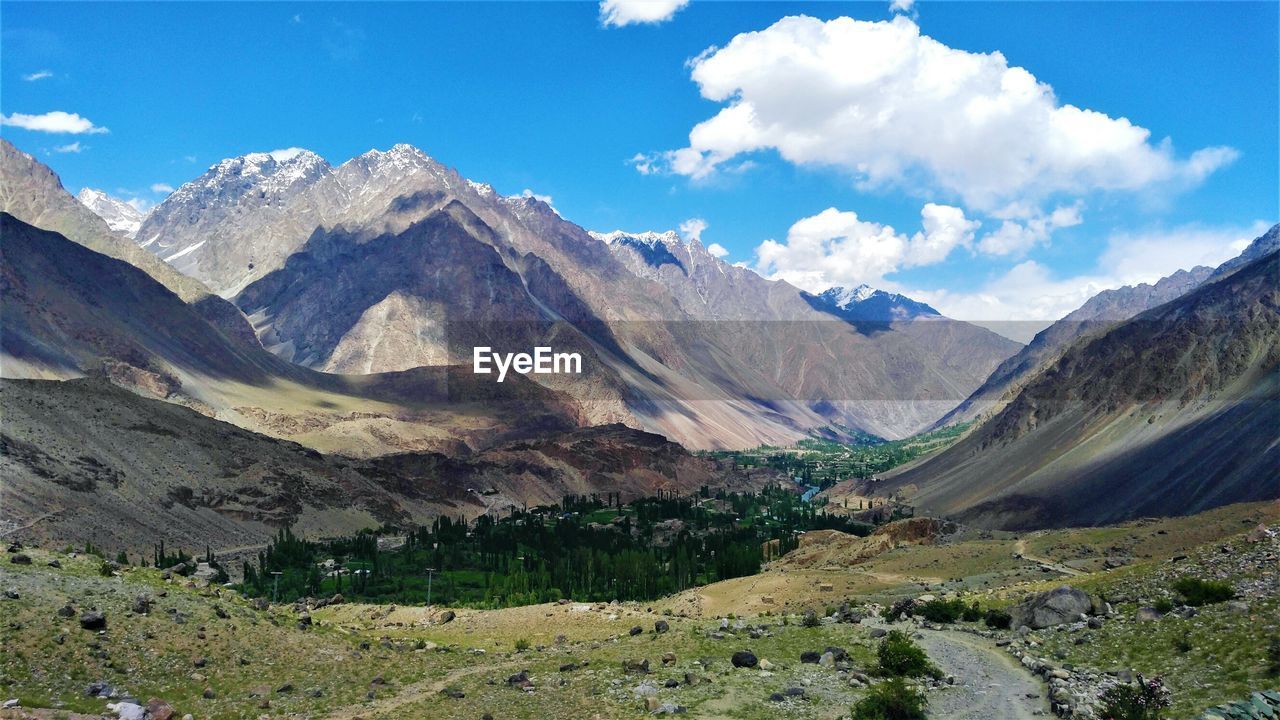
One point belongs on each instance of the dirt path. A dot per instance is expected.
(989, 684)
(417, 691)
(1020, 548)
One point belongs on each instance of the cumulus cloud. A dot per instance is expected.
(717, 250)
(73, 147)
(56, 121)
(140, 204)
(38, 75)
(618, 13)
(901, 6)
(836, 247)
(527, 193)
(1020, 231)
(161, 188)
(1033, 294)
(692, 228)
(891, 106)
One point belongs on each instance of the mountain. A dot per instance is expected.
(119, 215)
(867, 304)
(1261, 246)
(86, 461)
(392, 260)
(1171, 412)
(1099, 312)
(33, 193)
(69, 312)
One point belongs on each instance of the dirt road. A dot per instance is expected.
(989, 683)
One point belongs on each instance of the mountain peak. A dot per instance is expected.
(650, 238)
(119, 215)
(865, 303)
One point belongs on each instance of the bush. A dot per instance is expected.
(522, 645)
(1183, 644)
(1199, 592)
(811, 620)
(892, 699)
(105, 569)
(941, 611)
(973, 613)
(997, 619)
(899, 656)
(1143, 701)
(1163, 606)
(1273, 657)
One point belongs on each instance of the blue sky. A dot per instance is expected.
(547, 97)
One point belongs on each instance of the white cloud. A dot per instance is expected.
(837, 248)
(161, 188)
(618, 13)
(52, 122)
(901, 6)
(140, 204)
(284, 154)
(531, 194)
(692, 228)
(1018, 233)
(73, 147)
(717, 250)
(893, 107)
(38, 75)
(189, 158)
(1032, 293)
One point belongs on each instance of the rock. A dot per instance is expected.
(668, 658)
(158, 709)
(669, 709)
(878, 632)
(794, 692)
(98, 689)
(446, 617)
(520, 678)
(661, 626)
(827, 660)
(1147, 614)
(1053, 607)
(1238, 606)
(20, 559)
(11, 703)
(744, 659)
(778, 697)
(644, 689)
(11, 594)
(261, 604)
(691, 679)
(651, 704)
(672, 683)
(810, 657)
(54, 564)
(208, 694)
(93, 620)
(199, 662)
(838, 653)
(637, 630)
(1095, 623)
(454, 693)
(568, 667)
(141, 605)
(635, 666)
(217, 610)
(127, 710)
(765, 665)
(304, 620)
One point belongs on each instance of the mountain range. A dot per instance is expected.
(119, 215)
(678, 341)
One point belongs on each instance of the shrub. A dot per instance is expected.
(1273, 657)
(899, 656)
(1164, 606)
(105, 569)
(1142, 701)
(892, 699)
(811, 620)
(522, 645)
(997, 619)
(973, 613)
(941, 611)
(1183, 643)
(1199, 592)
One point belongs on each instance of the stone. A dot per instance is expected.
(141, 605)
(794, 692)
(127, 710)
(644, 689)
(668, 658)
(11, 594)
(20, 559)
(672, 683)
(1147, 614)
(635, 666)
(93, 620)
(744, 659)
(765, 665)
(520, 678)
(637, 630)
(827, 660)
(661, 626)
(1058, 606)
(446, 617)
(837, 653)
(208, 694)
(1095, 623)
(810, 657)
(158, 709)
(878, 632)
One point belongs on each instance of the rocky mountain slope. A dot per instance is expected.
(119, 215)
(68, 312)
(282, 234)
(87, 461)
(1171, 412)
(33, 193)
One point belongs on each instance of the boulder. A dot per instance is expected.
(661, 626)
(1053, 607)
(637, 630)
(158, 709)
(810, 657)
(744, 659)
(445, 617)
(1147, 614)
(93, 620)
(20, 559)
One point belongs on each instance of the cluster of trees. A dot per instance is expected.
(824, 463)
(586, 548)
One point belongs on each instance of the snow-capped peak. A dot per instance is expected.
(119, 215)
(845, 296)
(649, 237)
